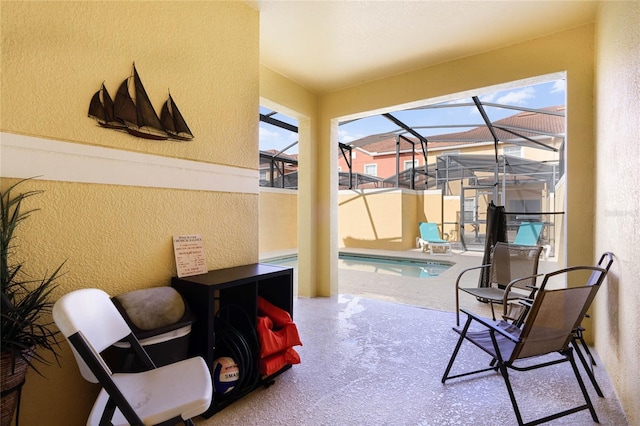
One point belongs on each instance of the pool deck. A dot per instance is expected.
(434, 292)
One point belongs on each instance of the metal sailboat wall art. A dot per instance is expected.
(131, 110)
(101, 109)
(173, 122)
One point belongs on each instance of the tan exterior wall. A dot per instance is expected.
(385, 219)
(370, 219)
(617, 199)
(114, 233)
(316, 242)
(278, 220)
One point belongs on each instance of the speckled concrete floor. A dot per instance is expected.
(378, 360)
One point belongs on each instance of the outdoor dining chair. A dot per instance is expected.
(512, 275)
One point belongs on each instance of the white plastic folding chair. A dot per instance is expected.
(159, 396)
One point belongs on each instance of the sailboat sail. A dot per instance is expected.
(138, 113)
(173, 122)
(101, 109)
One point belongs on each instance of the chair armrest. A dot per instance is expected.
(508, 289)
(464, 271)
(489, 323)
(523, 301)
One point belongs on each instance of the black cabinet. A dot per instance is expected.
(229, 289)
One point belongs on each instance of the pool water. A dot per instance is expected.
(379, 265)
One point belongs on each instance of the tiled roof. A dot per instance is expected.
(273, 152)
(526, 123)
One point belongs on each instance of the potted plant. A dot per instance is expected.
(28, 332)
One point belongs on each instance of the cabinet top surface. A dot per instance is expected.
(252, 271)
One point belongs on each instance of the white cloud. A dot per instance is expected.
(519, 97)
(488, 98)
(345, 136)
(267, 136)
(271, 137)
(559, 86)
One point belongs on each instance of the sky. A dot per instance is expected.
(535, 96)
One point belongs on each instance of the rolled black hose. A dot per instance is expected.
(243, 347)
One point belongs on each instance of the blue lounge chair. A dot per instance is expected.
(430, 236)
(528, 234)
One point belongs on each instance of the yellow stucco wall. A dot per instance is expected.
(317, 273)
(617, 202)
(278, 220)
(385, 219)
(118, 237)
(371, 218)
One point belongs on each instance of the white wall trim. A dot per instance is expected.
(26, 156)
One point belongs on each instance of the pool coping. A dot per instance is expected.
(439, 294)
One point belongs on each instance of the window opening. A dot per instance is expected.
(278, 150)
(471, 144)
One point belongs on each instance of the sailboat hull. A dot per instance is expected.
(146, 134)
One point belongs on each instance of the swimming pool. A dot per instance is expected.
(378, 264)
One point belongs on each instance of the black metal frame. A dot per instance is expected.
(406, 129)
(578, 336)
(499, 364)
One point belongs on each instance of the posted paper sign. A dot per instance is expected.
(189, 251)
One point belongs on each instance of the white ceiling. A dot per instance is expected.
(329, 45)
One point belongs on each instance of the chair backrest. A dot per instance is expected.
(528, 234)
(606, 260)
(429, 231)
(551, 321)
(509, 261)
(89, 315)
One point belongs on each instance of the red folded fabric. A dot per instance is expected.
(279, 316)
(273, 363)
(276, 340)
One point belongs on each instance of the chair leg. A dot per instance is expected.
(586, 365)
(594, 416)
(512, 396)
(592, 361)
(457, 304)
(588, 405)
(445, 376)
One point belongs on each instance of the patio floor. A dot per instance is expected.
(375, 355)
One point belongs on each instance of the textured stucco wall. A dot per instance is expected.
(385, 219)
(118, 237)
(55, 55)
(616, 318)
(278, 220)
(370, 218)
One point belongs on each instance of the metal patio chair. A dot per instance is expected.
(512, 275)
(547, 329)
(596, 279)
